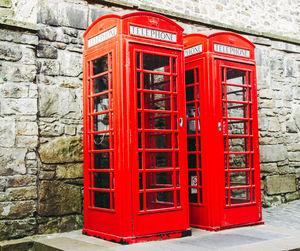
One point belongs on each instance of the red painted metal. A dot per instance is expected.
(222, 131)
(135, 171)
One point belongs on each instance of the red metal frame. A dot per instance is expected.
(224, 182)
(135, 176)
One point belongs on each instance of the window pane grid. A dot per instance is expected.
(101, 133)
(238, 138)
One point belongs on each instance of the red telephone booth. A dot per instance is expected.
(135, 166)
(222, 130)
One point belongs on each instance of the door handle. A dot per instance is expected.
(220, 126)
(180, 122)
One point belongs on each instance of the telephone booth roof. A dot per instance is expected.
(221, 42)
(125, 19)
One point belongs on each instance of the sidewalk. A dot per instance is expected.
(281, 231)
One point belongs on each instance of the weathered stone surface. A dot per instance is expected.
(27, 128)
(46, 51)
(71, 171)
(49, 67)
(292, 196)
(291, 126)
(47, 33)
(70, 130)
(18, 37)
(7, 132)
(17, 228)
(10, 52)
(63, 102)
(12, 161)
(278, 184)
(19, 106)
(46, 175)
(272, 153)
(95, 13)
(17, 209)
(297, 117)
(62, 150)
(58, 198)
(74, 16)
(27, 141)
(294, 156)
(5, 3)
(269, 168)
(294, 147)
(22, 193)
(48, 13)
(17, 72)
(21, 180)
(51, 129)
(47, 225)
(71, 64)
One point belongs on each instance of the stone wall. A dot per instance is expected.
(41, 100)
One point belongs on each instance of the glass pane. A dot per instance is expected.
(101, 122)
(193, 179)
(189, 77)
(237, 93)
(158, 160)
(157, 120)
(100, 65)
(138, 65)
(237, 127)
(101, 103)
(192, 161)
(239, 179)
(141, 202)
(138, 80)
(156, 82)
(101, 180)
(239, 161)
(193, 195)
(159, 180)
(156, 101)
(157, 63)
(100, 84)
(101, 141)
(236, 76)
(191, 144)
(101, 160)
(240, 196)
(235, 110)
(190, 93)
(102, 199)
(158, 140)
(238, 144)
(160, 200)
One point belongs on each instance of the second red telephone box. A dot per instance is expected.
(135, 177)
(222, 130)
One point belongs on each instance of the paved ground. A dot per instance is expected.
(281, 231)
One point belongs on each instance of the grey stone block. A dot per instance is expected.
(278, 184)
(272, 153)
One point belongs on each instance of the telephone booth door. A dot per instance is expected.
(135, 177)
(222, 131)
(159, 160)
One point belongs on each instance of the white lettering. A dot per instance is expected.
(193, 50)
(155, 34)
(231, 50)
(102, 36)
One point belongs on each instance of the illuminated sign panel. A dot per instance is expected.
(151, 33)
(102, 36)
(193, 50)
(231, 50)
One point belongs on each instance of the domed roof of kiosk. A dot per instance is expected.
(127, 14)
(213, 33)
